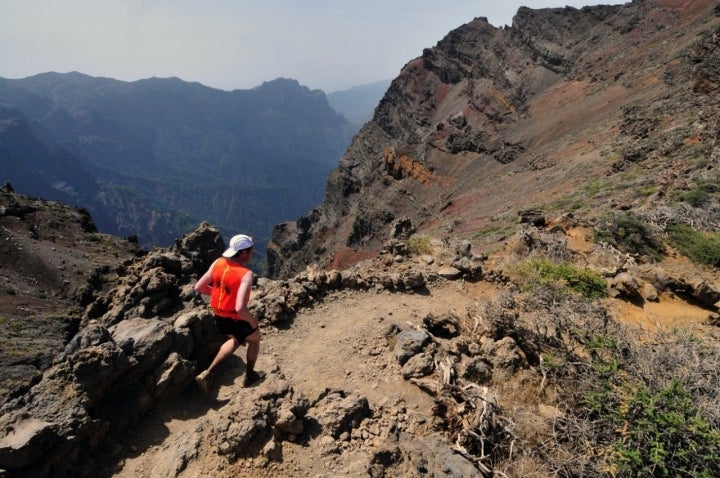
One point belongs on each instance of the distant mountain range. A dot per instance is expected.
(358, 103)
(155, 157)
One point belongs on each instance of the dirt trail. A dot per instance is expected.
(338, 344)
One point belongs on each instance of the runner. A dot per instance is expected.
(228, 282)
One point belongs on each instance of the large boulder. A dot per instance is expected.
(409, 343)
(339, 411)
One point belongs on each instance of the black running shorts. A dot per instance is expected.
(240, 329)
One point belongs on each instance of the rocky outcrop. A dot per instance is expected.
(139, 343)
(53, 262)
(474, 124)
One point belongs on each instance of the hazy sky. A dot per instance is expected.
(237, 44)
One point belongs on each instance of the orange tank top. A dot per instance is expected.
(226, 277)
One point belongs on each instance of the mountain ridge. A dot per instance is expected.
(153, 144)
(539, 103)
(353, 103)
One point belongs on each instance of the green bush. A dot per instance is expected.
(628, 233)
(657, 434)
(584, 282)
(699, 195)
(701, 247)
(647, 433)
(419, 245)
(667, 436)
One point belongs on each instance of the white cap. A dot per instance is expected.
(238, 243)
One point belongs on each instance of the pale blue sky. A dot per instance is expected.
(237, 44)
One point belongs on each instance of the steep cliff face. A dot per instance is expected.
(492, 121)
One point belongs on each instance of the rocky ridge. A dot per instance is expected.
(53, 261)
(142, 341)
(601, 109)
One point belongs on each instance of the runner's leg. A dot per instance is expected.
(253, 350)
(226, 350)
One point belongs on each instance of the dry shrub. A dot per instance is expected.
(687, 358)
(532, 242)
(614, 396)
(552, 331)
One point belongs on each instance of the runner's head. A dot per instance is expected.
(239, 244)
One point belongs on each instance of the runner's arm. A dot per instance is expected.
(204, 284)
(243, 297)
